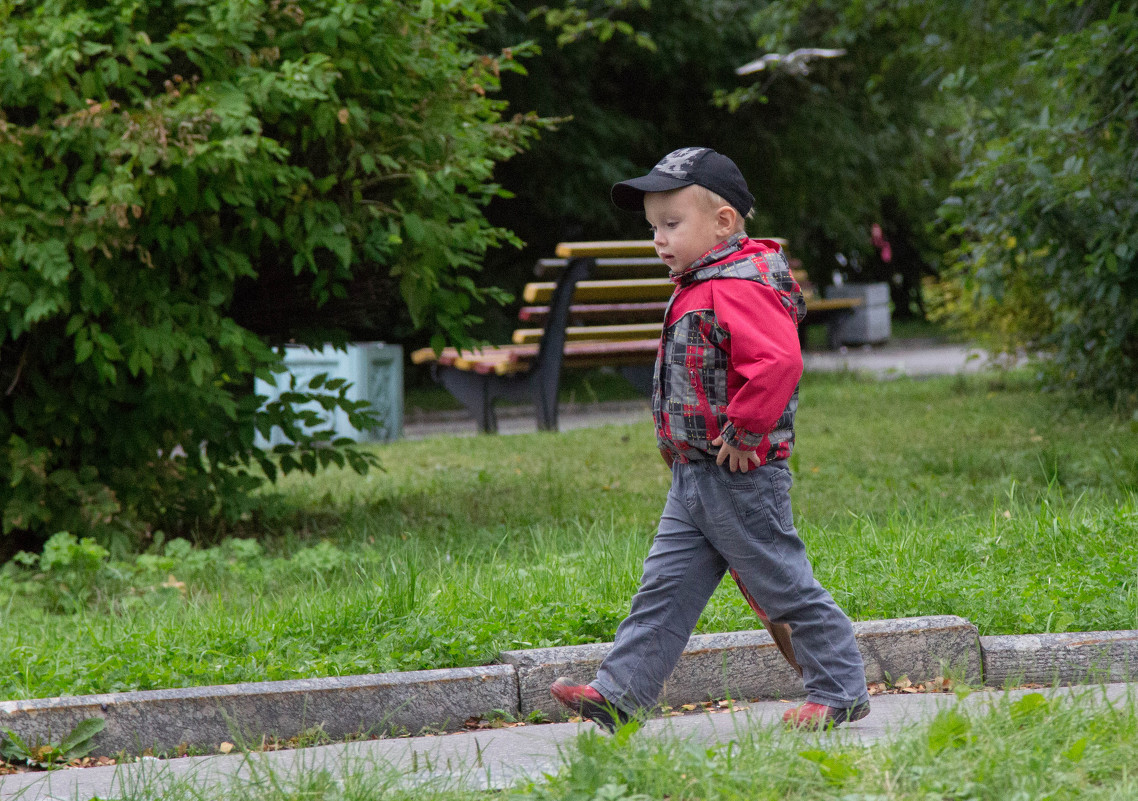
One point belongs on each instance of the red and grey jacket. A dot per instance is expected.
(729, 359)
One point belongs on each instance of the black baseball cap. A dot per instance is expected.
(701, 166)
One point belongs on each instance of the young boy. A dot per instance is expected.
(725, 393)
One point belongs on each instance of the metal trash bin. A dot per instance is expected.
(869, 323)
(375, 372)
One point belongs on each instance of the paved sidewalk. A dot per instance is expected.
(902, 358)
(492, 758)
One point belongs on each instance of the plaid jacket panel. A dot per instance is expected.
(691, 382)
(690, 393)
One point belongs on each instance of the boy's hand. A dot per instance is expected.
(740, 460)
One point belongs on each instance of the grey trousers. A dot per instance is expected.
(714, 519)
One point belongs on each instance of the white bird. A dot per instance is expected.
(794, 62)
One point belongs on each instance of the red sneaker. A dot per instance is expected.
(588, 703)
(812, 717)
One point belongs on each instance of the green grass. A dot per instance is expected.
(924, 330)
(1030, 748)
(977, 497)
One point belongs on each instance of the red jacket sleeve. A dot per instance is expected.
(765, 360)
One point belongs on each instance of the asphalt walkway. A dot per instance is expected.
(485, 759)
(912, 358)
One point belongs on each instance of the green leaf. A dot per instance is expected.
(78, 742)
(1029, 705)
(626, 731)
(84, 347)
(12, 746)
(414, 227)
(836, 769)
(1077, 749)
(949, 729)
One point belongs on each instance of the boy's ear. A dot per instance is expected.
(726, 219)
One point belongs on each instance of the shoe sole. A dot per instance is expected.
(607, 716)
(850, 715)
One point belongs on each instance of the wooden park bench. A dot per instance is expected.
(601, 304)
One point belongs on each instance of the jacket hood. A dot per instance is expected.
(738, 246)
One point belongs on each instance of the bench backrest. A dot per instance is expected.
(620, 295)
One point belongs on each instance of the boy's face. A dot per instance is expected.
(685, 226)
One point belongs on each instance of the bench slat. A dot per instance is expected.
(608, 333)
(622, 248)
(599, 313)
(517, 358)
(831, 304)
(500, 360)
(604, 291)
(638, 267)
(573, 250)
(611, 354)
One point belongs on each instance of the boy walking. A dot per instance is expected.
(724, 396)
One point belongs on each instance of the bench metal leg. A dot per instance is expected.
(474, 392)
(546, 379)
(546, 384)
(479, 392)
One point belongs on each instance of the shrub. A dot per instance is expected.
(166, 167)
(1045, 218)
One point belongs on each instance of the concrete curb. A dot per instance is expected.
(736, 664)
(204, 717)
(1070, 658)
(747, 664)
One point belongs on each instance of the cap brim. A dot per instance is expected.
(629, 195)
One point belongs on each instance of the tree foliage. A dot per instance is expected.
(630, 80)
(996, 140)
(1045, 215)
(999, 140)
(855, 141)
(161, 164)
(828, 153)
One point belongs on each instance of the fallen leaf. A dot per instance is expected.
(225, 747)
